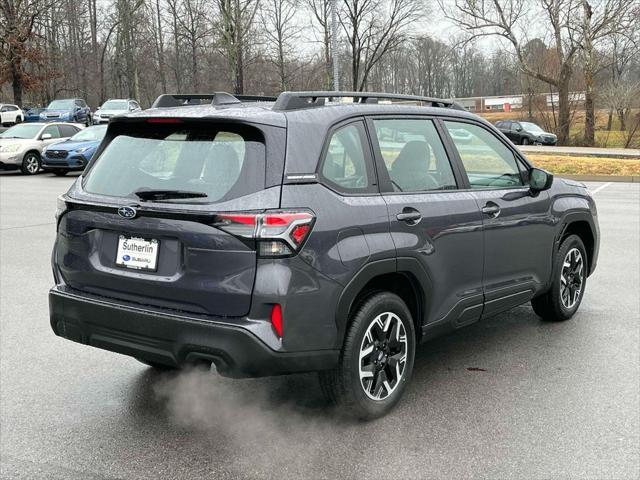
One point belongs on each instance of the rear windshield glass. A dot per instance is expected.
(220, 161)
(91, 133)
(61, 104)
(115, 105)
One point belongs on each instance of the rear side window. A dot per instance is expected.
(67, 130)
(223, 162)
(413, 155)
(487, 161)
(52, 130)
(345, 161)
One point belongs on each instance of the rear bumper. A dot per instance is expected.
(174, 339)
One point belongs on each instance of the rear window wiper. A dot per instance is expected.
(167, 194)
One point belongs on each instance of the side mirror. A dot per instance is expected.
(540, 180)
(46, 136)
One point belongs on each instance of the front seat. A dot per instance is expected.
(409, 170)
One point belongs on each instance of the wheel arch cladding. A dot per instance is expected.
(581, 228)
(404, 277)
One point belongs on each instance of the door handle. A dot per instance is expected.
(409, 215)
(491, 209)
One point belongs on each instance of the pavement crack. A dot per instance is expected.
(27, 226)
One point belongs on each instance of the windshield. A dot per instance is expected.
(531, 127)
(114, 105)
(220, 162)
(21, 131)
(61, 105)
(91, 133)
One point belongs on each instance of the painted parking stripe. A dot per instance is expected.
(601, 187)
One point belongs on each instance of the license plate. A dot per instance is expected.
(137, 253)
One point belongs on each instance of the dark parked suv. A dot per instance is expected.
(309, 234)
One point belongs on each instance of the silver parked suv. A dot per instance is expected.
(113, 107)
(21, 145)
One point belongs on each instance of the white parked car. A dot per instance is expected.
(113, 107)
(21, 145)
(10, 114)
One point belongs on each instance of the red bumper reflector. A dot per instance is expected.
(276, 319)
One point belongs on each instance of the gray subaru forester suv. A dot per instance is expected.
(319, 231)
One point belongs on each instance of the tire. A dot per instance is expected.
(60, 172)
(525, 141)
(19, 120)
(560, 303)
(376, 318)
(30, 163)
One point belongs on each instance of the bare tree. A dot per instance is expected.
(192, 23)
(17, 21)
(374, 28)
(600, 21)
(321, 11)
(281, 29)
(507, 19)
(236, 20)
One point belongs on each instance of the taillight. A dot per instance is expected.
(277, 233)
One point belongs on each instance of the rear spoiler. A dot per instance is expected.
(216, 98)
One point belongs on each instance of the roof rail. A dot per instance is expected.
(216, 98)
(255, 98)
(297, 100)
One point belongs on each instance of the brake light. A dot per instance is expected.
(276, 319)
(278, 233)
(164, 120)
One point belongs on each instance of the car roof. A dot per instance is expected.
(44, 124)
(264, 113)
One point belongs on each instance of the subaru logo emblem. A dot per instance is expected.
(127, 212)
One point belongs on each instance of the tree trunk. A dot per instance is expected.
(621, 118)
(16, 81)
(564, 107)
(160, 47)
(589, 109)
(589, 115)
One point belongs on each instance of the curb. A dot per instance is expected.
(602, 178)
(630, 154)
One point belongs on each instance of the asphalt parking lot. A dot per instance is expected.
(509, 397)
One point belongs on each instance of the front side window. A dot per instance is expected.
(413, 155)
(218, 162)
(345, 163)
(487, 161)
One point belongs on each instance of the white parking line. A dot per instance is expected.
(601, 187)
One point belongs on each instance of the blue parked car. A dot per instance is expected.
(73, 153)
(67, 110)
(33, 114)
